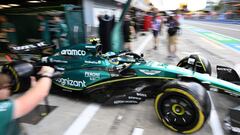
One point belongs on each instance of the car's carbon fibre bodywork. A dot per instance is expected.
(86, 70)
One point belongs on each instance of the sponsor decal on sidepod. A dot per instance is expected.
(92, 75)
(69, 82)
(73, 52)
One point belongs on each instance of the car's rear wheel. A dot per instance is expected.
(183, 106)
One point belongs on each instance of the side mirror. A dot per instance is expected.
(227, 74)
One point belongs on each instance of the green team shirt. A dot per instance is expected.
(8, 126)
(62, 34)
(45, 35)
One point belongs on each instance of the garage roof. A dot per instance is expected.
(21, 6)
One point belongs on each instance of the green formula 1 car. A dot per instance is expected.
(181, 100)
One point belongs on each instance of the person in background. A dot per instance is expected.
(43, 29)
(8, 29)
(12, 109)
(147, 21)
(61, 33)
(106, 24)
(156, 29)
(127, 30)
(139, 17)
(173, 27)
(180, 19)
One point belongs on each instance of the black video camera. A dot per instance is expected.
(19, 73)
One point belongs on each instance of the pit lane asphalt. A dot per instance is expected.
(232, 30)
(123, 119)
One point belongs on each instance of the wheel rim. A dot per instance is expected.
(178, 109)
(178, 112)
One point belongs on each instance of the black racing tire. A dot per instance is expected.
(203, 64)
(183, 106)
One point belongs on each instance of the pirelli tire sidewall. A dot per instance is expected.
(19, 83)
(192, 92)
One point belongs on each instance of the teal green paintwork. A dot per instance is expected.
(117, 38)
(174, 71)
(92, 70)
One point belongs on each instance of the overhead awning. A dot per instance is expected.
(139, 4)
(30, 6)
(35, 3)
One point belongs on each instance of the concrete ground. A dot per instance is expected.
(94, 119)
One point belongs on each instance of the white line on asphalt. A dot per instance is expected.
(209, 42)
(137, 131)
(144, 43)
(224, 35)
(217, 42)
(82, 120)
(214, 32)
(226, 28)
(214, 121)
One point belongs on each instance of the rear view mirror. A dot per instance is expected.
(227, 74)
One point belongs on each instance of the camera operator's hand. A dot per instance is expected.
(46, 71)
(33, 81)
(35, 94)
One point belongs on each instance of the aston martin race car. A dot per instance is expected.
(181, 100)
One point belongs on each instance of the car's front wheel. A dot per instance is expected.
(183, 106)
